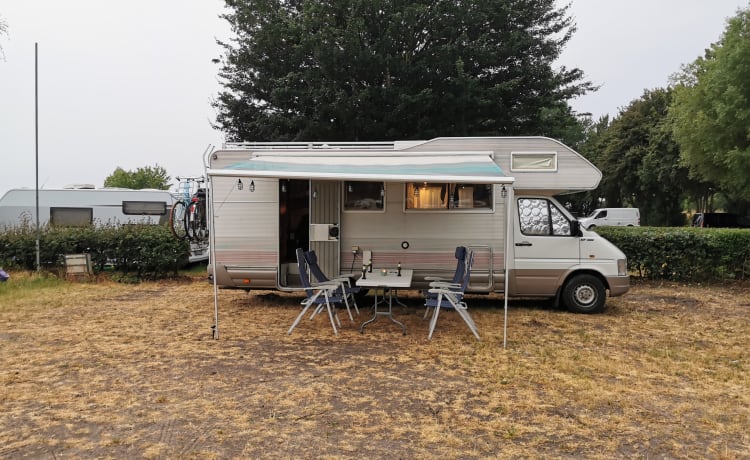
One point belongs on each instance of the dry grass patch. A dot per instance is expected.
(119, 371)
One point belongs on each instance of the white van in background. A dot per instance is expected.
(612, 217)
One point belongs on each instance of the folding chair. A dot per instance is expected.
(452, 297)
(458, 276)
(345, 284)
(320, 295)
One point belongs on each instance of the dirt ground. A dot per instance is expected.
(107, 370)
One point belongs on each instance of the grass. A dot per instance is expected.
(101, 369)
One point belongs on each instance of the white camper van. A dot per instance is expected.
(620, 217)
(411, 202)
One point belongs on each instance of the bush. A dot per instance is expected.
(141, 251)
(683, 253)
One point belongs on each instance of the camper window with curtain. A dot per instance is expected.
(439, 196)
(364, 196)
(147, 208)
(71, 217)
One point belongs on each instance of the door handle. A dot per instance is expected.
(524, 243)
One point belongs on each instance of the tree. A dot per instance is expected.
(711, 112)
(380, 69)
(640, 161)
(146, 177)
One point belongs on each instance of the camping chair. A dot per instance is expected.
(320, 295)
(458, 276)
(345, 284)
(452, 297)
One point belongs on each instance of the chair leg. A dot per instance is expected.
(346, 302)
(463, 312)
(331, 315)
(298, 318)
(435, 314)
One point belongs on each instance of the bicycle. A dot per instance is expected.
(187, 219)
(195, 218)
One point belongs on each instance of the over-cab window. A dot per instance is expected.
(533, 161)
(538, 216)
(73, 217)
(364, 196)
(436, 195)
(147, 208)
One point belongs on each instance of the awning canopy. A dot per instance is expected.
(389, 166)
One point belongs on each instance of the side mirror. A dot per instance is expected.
(575, 228)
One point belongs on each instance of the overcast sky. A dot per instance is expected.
(129, 84)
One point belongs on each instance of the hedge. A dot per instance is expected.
(683, 253)
(140, 250)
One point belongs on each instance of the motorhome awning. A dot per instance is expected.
(462, 167)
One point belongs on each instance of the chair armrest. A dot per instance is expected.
(435, 278)
(438, 284)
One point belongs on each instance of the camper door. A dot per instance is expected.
(543, 245)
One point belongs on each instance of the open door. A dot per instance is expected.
(294, 212)
(325, 215)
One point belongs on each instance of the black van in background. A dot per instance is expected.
(718, 220)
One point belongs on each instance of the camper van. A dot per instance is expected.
(411, 203)
(79, 205)
(618, 217)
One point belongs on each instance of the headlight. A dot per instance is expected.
(622, 267)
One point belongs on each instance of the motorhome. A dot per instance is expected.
(83, 204)
(612, 217)
(411, 203)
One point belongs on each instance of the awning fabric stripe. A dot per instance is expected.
(466, 168)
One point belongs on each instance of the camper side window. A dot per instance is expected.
(75, 217)
(144, 208)
(364, 196)
(436, 195)
(541, 217)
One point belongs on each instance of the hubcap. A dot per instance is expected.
(585, 294)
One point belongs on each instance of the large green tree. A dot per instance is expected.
(386, 69)
(711, 111)
(145, 177)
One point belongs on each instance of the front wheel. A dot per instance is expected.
(584, 294)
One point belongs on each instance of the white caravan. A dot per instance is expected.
(615, 217)
(411, 202)
(85, 205)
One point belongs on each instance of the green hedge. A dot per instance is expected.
(143, 251)
(683, 253)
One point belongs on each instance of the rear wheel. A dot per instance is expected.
(584, 294)
(177, 220)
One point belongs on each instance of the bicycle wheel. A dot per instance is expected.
(177, 220)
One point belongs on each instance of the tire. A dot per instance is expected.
(195, 223)
(584, 294)
(177, 220)
(591, 227)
